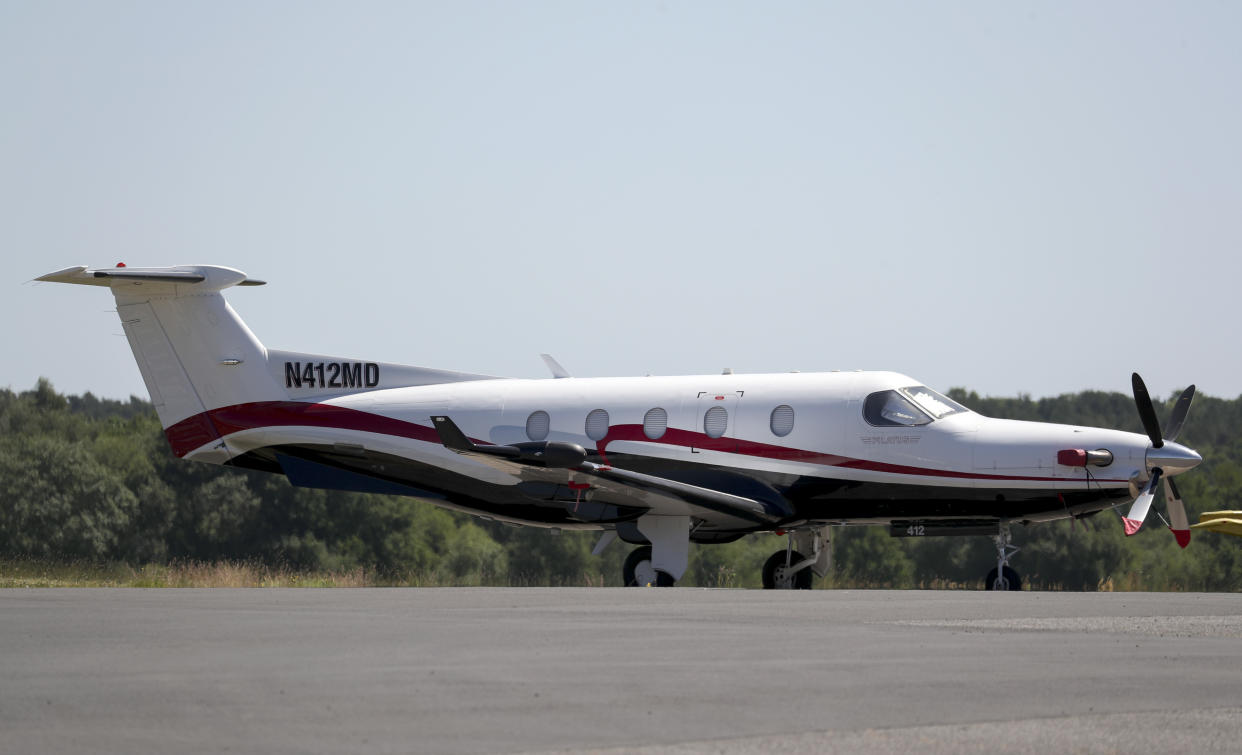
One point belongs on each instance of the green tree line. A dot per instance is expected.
(90, 479)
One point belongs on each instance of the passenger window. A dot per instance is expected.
(715, 421)
(782, 421)
(537, 425)
(655, 422)
(597, 424)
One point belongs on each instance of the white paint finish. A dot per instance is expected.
(191, 329)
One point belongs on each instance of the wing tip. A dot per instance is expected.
(1131, 525)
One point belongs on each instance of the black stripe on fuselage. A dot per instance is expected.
(536, 502)
(813, 498)
(831, 499)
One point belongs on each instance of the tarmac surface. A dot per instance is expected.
(617, 670)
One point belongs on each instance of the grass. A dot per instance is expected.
(18, 573)
(37, 573)
(31, 572)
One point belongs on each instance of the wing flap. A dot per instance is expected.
(715, 501)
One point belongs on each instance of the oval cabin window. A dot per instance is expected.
(597, 424)
(715, 421)
(537, 425)
(655, 422)
(782, 420)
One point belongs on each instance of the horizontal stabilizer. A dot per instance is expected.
(202, 277)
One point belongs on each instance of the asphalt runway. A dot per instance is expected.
(619, 670)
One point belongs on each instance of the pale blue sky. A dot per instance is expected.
(1013, 197)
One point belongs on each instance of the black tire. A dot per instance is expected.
(1011, 577)
(801, 580)
(664, 579)
(637, 556)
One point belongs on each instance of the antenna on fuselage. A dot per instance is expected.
(557, 370)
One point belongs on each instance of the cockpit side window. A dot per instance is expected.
(892, 409)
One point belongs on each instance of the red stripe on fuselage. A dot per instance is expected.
(189, 434)
(674, 437)
(232, 419)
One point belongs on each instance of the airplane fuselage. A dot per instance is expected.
(662, 461)
(718, 431)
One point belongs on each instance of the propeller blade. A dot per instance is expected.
(1179, 413)
(1138, 511)
(1146, 411)
(1177, 512)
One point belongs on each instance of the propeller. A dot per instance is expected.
(1176, 457)
(1177, 513)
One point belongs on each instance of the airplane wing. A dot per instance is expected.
(714, 501)
(658, 494)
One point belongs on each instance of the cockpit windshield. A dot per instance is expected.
(936, 404)
(908, 407)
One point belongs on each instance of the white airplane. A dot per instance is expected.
(659, 462)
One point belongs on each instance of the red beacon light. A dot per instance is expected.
(1078, 457)
(120, 264)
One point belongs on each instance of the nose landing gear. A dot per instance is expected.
(787, 570)
(1003, 577)
(790, 570)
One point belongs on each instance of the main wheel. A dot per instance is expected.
(776, 576)
(1010, 581)
(638, 571)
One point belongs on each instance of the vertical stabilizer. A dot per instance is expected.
(195, 354)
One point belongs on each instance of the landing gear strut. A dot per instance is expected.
(1003, 577)
(663, 562)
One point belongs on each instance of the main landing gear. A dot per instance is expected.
(1003, 577)
(638, 571)
(663, 562)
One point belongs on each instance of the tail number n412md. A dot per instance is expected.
(331, 374)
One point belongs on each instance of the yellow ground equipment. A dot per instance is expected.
(1226, 522)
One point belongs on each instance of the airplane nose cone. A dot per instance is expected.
(1173, 458)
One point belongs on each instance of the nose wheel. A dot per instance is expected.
(1003, 577)
(782, 572)
(788, 569)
